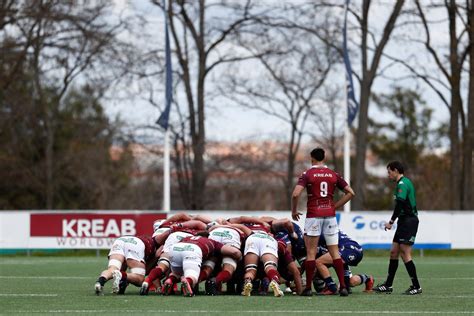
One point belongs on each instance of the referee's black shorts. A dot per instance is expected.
(407, 227)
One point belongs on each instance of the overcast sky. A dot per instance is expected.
(234, 124)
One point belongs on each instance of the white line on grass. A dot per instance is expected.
(312, 311)
(27, 295)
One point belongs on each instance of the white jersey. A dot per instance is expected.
(174, 238)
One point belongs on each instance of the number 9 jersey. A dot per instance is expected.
(320, 183)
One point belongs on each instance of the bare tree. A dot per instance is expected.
(57, 41)
(201, 42)
(366, 80)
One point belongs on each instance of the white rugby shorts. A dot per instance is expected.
(129, 247)
(315, 226)
(260, 244)
(173, 239)
(186, 259)
(226, 236)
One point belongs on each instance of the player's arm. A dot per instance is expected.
(192, 224)
(161, 238)
(400, 201)
(248, 220)
(247, 231)
(348, 195)
(180, 217)
(203, 218)
(284, 223)
(295, 196)
(295, 272)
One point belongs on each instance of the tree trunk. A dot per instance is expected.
(469, 135)
(456, 106)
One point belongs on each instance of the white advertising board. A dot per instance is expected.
(97, 229)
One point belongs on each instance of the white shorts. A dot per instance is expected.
(129, 247)
(226, 236)
(260, 244)
(173, 239)
(315, 226)
(186, 259)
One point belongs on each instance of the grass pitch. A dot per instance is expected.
(64, 285)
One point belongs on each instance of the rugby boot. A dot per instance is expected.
(277, 292)
(99, 289)
(210, 287)
(307, 292)
(343, 292)
(369, 284)
(144, 289)
(116, 277)
(247, 289)
(167, 287)
(186, 288)
(382, 288)
(413, 291)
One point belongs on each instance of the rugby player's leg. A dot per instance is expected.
(229, 265)
(322, 264)
(311, 244)
(116, 263)
(405, 251)
(136, 276)
(393, 264)
(250, 266)
(270, 265)
(191, 270)
(386, 287)
(338, 265)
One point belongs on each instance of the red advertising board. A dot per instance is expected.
(92, 225)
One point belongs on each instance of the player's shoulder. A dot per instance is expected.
(404, 181)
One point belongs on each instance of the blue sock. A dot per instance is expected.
(330, 284)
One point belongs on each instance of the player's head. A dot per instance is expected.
(395, 169)
(318, 154)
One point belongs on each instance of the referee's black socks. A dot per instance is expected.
(392, 269)
(411, 269)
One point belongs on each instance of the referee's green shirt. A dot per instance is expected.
(405, 192)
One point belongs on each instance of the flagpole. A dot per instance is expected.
(163, 120)
(347, 159)
(351, 106)
(166, 174)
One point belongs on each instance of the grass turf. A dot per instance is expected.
(64, 285)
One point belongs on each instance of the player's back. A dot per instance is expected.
(321, 182)
(207, 245)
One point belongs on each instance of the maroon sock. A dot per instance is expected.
(339, 267)
(223, 276)
(173, 278)
(190, 281)
(310, 266)
(203, 275)
(273, 274)
(154, 274)
(124, 275)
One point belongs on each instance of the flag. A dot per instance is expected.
(352, 105)
(164, 117)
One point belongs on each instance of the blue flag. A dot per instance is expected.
(352, 105)
(163, 120)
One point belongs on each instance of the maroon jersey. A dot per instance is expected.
(208, 246)
(150, 246)
(320, 183)
(257, 227)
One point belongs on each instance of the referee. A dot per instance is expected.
(407, 214)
